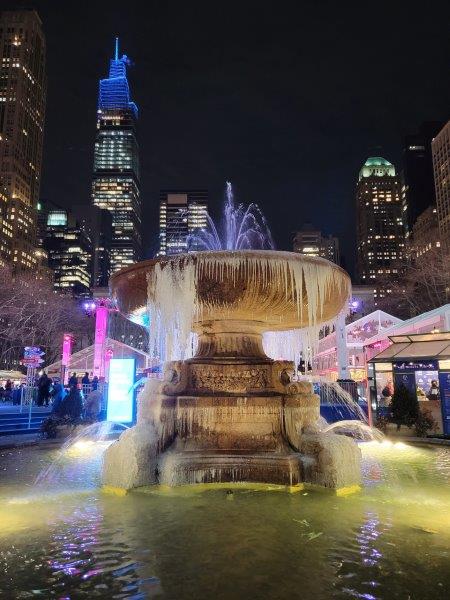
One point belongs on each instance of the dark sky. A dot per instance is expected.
(285, 99)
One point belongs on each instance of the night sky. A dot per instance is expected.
(285, 99)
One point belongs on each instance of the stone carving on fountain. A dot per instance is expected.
(230, 413)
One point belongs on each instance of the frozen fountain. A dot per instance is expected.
(228, 412)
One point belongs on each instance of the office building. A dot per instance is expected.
(310, 241)
(98, 225)
(441, 167)
(22, 111)
(379, 229)
(69, 251)
(417, 180)
(425, 236)
(181, 213)
(115, 185)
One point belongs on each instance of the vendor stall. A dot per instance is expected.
(421, 362)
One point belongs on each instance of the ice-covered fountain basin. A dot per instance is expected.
(278, 290)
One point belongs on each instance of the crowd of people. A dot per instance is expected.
(77, 400)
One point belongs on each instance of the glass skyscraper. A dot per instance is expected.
(115, 184)
(181, 213)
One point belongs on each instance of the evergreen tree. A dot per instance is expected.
(404, 407)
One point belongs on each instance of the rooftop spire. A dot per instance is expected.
(116, 55)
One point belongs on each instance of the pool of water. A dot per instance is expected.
(392, 540)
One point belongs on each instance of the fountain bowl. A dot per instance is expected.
(245, 285)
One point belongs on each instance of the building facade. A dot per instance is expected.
(22, 112)
(69, 250)
(379, 225)
(310, 241)
(425, 234)
(98, 225)
(181, 213)
(417, 176)
(115, 185)
(441, 167)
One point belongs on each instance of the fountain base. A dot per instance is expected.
(190, 431)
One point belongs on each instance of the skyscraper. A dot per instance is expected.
(417, 176)
(309, 240)
(379, 230)
(98, 225)
(441, 167)
(22, 111)
(69, 249)
(115, 185)
(181, 213)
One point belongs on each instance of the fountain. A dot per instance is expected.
(244, 228)
(227, 412)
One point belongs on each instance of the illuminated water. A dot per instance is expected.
(390, 541)
(243, 228)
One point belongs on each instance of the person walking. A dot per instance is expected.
(58, 396)
(94, 382)
(72, 404)
(44, 383)
(8, 390)
(86, 380)
(73, 381)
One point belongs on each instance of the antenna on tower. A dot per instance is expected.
(117, 49)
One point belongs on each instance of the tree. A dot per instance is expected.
(404, 407)
(32, 313)
(424, 285)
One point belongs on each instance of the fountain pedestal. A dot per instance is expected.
(219, 420)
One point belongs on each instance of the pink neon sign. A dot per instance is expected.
(101, 325)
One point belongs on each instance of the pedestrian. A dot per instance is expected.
(44, 384)
(58, 396)
(17, 394)
(73, 381)
(433, 392)
(386, 393)
(94, 382)
(93, 405)
(8, 390)
(72, 404)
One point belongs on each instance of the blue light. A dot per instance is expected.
(114, 92)
(120, 390)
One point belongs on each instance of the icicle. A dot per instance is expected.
(174, 305)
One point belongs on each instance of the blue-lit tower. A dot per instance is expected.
(115, 185)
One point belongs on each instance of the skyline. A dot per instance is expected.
(288, 111)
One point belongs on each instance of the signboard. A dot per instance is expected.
(32, 357)
(444, 390)
(120, 390)
(423, 365)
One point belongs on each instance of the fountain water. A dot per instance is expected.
(244, 228)
(75, 461)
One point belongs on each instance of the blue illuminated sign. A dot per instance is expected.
(444, 390)
(120, 390)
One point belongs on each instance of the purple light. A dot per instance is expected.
(355, 303)
(86, 305)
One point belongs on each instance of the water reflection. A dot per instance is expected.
(384, 543)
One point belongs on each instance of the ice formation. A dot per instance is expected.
(174, 304)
